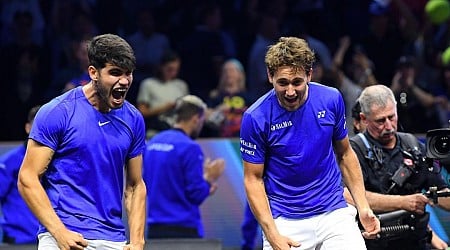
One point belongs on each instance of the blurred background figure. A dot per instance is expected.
(178, 176)
(227, 102)
(441, 91)
(25, 74)
(358, 126)
(267, 32)
(205, 49)
(415, 103)
(19, 225)
(157, 95)
(80, 51)
(148, 44)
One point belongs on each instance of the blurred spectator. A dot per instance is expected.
(268, 32)
(148, 44)
(204, 50)
(415, 104)
(441, 91)
(67, 49)
(228, 101)
(360, 69)
(358, 126)
(358, 66)
(9, 10)
(312, 13)
(177, 176)
(246, 20)
(19, 226)
(157, 95)
(25, 76)
(74, 74)
(320, 48)
(385, 34)
(80, 51)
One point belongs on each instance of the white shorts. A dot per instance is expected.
(48, 242)
(337, 230)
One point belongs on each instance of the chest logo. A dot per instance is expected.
(103, 123)
(321, 114)
(281, 125)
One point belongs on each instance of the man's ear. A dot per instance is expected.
(269, 77)
(310, 74)
(363, 117)
(195, 119)
(27, 127)
(93, 73)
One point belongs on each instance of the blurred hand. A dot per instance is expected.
(68, 239)
(415, 203)
(280, 242)
(370, 223)
(442, 101)
(133, 247)
(437, 242)
(344, 42)
(213, 169)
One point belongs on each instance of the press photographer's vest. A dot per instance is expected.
(407, 141)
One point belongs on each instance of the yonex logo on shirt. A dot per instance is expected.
(321, 114)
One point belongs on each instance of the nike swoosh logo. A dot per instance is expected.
(103, 123)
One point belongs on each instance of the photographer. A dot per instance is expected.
(382, 151)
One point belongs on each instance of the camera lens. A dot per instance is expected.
(442, 145)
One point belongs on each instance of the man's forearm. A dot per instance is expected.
(135, 201)
(257, 199)
(37, 200)
(384, 202)
(351, 172)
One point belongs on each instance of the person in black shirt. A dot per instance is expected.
(381, 151)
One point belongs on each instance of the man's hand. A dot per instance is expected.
(213, 169)
(70, 240)
(415, 203)
(437, 242)
(370, 223)
(132, 246)
(280, 242)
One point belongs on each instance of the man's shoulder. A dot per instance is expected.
(262, 104)
(321, 88)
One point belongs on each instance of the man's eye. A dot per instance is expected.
(297, 82)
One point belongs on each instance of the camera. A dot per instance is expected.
(438, 146)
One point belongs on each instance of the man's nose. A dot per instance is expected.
(290, 90)
(124, 80)
(388, 124)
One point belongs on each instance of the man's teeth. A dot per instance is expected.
(119, 93)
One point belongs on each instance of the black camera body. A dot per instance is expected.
(438, 146)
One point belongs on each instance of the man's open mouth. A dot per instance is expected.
(119, 93)
(291, 100)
